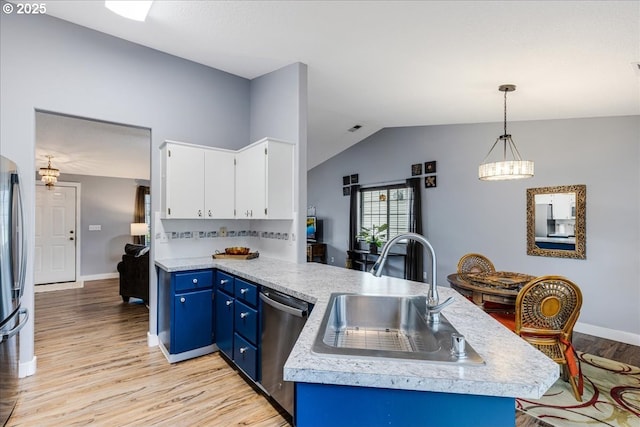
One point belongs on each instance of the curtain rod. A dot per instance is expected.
(378, 184)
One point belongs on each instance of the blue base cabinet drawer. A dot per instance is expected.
(246, 321)
(225, 282)
(247, 292)
(187, 281)
(246, 356)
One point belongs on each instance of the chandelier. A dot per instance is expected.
(506, 167)
(49, 175)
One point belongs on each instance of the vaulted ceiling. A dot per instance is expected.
(404, 63)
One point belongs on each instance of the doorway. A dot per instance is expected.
(108, 161)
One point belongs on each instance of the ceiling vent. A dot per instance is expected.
(355, 128)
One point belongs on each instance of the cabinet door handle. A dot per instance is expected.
(182, 299)
(243, 350)
(199, 212)
(210, 214)
(243, 315)
(244, 291)
(229, 302)
(224, 281)
(195, 281)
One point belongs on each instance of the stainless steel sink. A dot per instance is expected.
(389, 327)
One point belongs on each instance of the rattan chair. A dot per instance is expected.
(475, 263)
(547, 308)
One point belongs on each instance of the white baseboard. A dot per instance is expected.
(610, 334)
(57, 286)
(152, 340)
(103, 276)
(26, 369)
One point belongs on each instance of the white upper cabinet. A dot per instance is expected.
(197, 182)
(264, 180)
(255, 182)
(219, 184)
(182, 181)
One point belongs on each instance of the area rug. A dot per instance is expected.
(611, 397)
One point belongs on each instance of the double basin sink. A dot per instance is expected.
(394, 327)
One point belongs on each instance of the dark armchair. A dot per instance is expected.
(134, 272)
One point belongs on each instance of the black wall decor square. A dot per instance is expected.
(346, 180)
(416, 169)
(430, 167)
(430, 181)
(354, 178)
(346, 191)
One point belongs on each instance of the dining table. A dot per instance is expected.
(500, 287)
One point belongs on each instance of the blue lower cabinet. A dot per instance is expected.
(334, 405)
(245, 355)
(192, 321)
(224, 322)
(185, 313)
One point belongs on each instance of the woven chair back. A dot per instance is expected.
(548, 305)
(475, 263)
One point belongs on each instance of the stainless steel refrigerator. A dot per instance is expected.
(12, 273)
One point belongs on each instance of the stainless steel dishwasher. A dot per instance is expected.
(283, 317)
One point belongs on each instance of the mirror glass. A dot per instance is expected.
(556, 222)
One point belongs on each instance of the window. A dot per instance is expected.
(385, 205)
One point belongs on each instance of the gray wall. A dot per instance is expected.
(108, 202)
(51, 65)
(463, 214)
(279, 110)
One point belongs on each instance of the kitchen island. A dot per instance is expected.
(333, 390)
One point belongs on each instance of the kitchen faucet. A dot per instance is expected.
(433, 308)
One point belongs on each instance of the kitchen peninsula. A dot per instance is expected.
(334, 390)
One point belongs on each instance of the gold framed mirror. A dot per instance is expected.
(556, 221)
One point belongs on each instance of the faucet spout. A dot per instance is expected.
(433, 306)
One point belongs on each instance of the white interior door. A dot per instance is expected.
(55, 250)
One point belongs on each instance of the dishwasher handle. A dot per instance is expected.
(283, 307)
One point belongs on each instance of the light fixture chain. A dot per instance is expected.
(505, 112)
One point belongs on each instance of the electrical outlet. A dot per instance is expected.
(332, 260)
(222, 232)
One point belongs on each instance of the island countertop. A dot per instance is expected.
(512, 368)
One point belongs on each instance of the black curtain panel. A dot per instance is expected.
(353, 216)
(413, 266)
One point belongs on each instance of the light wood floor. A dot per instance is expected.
(94, 367)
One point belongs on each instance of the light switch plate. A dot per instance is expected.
(222, 232)
(95, 228)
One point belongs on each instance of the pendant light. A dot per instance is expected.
(49, 175)
(512, 167)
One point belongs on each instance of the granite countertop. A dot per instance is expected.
(512, 367)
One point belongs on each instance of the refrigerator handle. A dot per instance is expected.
(20, 231)
(13, 332)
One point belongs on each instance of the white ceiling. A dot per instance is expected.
(89, 147)
(406, 63)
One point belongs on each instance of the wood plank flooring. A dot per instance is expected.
(95, 368)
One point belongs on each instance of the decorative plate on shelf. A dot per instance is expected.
(505, 279)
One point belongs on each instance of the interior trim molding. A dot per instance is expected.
(26, 369)
(610, 334)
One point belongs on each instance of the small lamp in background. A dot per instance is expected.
(140, 229)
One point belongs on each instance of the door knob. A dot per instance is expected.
(70, 238)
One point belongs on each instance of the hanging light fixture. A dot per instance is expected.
(49, 175)
(505, 168)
